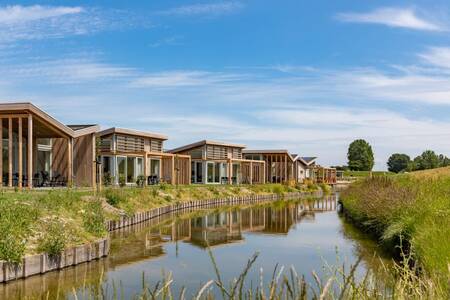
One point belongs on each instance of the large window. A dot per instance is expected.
(236, 176)
(121, 167)
(216, 172)
(197, 172)
(139, 166)
(131, 170)
(154, 167)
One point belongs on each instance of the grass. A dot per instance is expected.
(400, 283)
(412, 207)
(363, 174)
(48, 221)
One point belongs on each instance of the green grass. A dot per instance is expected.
(414, 208)
(49, 221)
(364, 174)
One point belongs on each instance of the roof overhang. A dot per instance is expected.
(26, 107)
(133, 132)
(206, 142)
(269, 151)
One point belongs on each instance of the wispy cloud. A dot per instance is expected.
(393, 17)
(19, 23)
(205, 9)
(437, 56)
(168, 41)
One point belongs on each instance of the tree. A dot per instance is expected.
(427, 160)
(444, 161)
(398, 162)
(360, 156)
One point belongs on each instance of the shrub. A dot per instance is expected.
(54, 238)
(114, 196)
(140, 181)
(163, 186)
(94, 219)
(277, 189)
(107, 179)
(122, 181)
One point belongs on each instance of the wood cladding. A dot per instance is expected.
(127, 143)
(156, 145)
(222, 152)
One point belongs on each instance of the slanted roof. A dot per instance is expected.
(306, 160)
(269, 151)
(81, 130)
(27, 107)
(132, 132)
(205, 142)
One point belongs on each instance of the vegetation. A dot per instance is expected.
(414, 207)
(400, 283)
(364, 174)
(398, 162)
(37, 221)
(360, 156)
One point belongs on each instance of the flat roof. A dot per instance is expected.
(29, 107)
(206, 142)
(269, 151)
(132, 132)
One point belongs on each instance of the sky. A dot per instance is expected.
(307, 76)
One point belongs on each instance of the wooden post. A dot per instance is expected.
(173, 179)
(10, 152)
(20, 153)
(189, 170)
(1, 152)
(286, 179)
(230, 171)
(69, 162)
(30, 151)
(145, 168)
(94, 162)
(264, 173)
(251, 173)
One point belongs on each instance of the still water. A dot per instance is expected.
(303, 234)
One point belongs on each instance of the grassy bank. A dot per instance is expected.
(412, 209)
(364, 174)
(49, 221)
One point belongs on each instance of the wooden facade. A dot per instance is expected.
(36, 149)
(221, 163)
(325, 175)
(132, 153)
(279, 164)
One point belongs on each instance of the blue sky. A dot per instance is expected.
(308, 76)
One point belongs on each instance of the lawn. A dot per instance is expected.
(49, 221)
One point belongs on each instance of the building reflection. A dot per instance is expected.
(225, 227)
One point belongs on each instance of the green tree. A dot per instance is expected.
(398, 162)
(427, 160)
(360, 156)
(444, 161)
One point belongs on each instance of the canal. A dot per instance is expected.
(303, 234)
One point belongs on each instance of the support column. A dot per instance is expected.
(30, 151)
(251, 173)
(230, 171)
(69, 162)
(94, 162)
(173, 181)
(146, 168)
(285, 169)
(189, 170)
(20, 153)
(1, 152)
(10, 152)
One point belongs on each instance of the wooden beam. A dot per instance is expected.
(173, 179)
(286, 179)
(1, 152)
(251, 173)
(10, 152)
(20, 153)
(30, 151)
(94, 162)
(69, 162)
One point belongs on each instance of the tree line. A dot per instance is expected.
(361, 158)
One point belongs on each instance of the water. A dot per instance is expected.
(301, 234)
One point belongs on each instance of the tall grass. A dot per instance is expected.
(416, 209)
(400, 282)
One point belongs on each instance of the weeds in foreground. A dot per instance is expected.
(401, 282)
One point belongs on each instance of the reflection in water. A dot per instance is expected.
(170, 241)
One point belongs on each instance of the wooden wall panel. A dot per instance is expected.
(83, 160)
(59, 157)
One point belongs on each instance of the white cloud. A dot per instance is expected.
(205, 9)
(437, 56)
(393, 17)
(22, 14)
(183, 78)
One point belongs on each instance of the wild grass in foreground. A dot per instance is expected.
(401, 282)
(413, 206)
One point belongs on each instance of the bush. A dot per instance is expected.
(122, 181)
(94, 219)
(277, 189)
(54, 238)
(114, 196)
(140, 181)
(107, 179)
